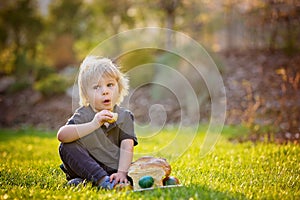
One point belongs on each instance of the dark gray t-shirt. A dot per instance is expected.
(104, 143)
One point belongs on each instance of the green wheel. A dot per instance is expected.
(171, 180)
(146, 182)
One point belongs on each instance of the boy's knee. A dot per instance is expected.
(67, 147)
(72, 148)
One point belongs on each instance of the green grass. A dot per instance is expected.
(29, 168)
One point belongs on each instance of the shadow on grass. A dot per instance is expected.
(189, 192)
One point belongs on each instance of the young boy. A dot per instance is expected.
(95, 147)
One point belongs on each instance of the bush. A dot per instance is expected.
(42, 71)
(19, 86)
(131, 64)
(52, 85)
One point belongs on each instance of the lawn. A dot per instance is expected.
(29, 169)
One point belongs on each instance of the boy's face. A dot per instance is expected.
(103, 94)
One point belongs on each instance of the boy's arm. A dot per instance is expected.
(72, 132)
(126, 155)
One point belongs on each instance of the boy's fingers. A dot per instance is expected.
(118, 179)
(111, 178)
(108, 113)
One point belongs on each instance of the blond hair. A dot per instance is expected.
(93, 68)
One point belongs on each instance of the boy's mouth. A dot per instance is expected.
(107, 101)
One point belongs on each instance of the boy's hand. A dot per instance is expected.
(119, 177)
(101, 117)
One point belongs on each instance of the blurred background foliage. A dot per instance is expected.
(60, 33)
(41, 39)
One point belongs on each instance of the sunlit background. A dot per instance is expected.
(254, 43)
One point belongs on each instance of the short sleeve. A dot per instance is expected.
(81, 115)
(127, 128)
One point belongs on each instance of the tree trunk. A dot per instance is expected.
(170, 20)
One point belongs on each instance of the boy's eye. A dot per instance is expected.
(96, 87)
(110, 84)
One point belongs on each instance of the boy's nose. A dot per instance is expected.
(104, 92)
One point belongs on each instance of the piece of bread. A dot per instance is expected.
(114, 118)
(158, 168)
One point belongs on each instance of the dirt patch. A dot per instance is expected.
(263, 93)
(29, 108)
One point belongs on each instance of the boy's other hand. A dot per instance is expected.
(119, 177)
